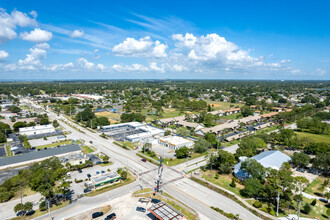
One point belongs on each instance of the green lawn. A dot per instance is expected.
(66, 142)
(177, 161)
(314, 137)
(313, 188)
(217, 105)
(223, 181)
(9, 153)
(87, 149)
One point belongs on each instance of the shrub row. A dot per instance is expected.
(228, 215)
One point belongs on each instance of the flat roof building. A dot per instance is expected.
(175, 142)
(102, 179)
(41, 129)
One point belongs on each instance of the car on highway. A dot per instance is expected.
(97, 214)
(140, 209)
(111, 216)
(97, 172)
(144, 160)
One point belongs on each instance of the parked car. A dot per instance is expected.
(97, 172)
(140, 209)
(102, 171)
(301, 170)
(68, 174)
(88, 175)
(79, 170)
(90, 142)
(144, 160)
(111, 216)
(97, 214)
(86, 190)
(31, 212)
(21, 213)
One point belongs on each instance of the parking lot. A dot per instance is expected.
(41, 141)
(305, 174)
(163, 151)
(78, 188)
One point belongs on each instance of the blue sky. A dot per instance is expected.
(164, 39)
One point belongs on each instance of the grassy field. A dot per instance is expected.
(313, 188)
(177, 161)
(223, 181)
(113, 117)
(9, 153)
(66, 142)
(217, 105)
(314, 137)
(26, 191)
(233, 116)
(87, 149)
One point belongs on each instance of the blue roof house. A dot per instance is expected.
(268, 159)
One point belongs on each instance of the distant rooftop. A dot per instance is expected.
(39, 154)
(33, 128)
(165, 212)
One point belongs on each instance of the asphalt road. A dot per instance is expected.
(190, 193)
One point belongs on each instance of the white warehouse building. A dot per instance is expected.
(175, 142)
(42, 129)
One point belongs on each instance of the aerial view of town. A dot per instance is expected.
(165, 110)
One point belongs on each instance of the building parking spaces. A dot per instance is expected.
(132, 131)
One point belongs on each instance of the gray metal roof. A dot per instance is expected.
(268, 159)
(39, 154)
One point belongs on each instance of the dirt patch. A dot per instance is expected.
(88, 214)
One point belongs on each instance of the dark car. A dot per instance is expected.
(144, 160)
(79, 170)
(89, 176)
(140, 209)
(111, 216)
(90, 142)
(31, 212)
(86, 190)
(20, 213)
(97, 214)
(102, 171)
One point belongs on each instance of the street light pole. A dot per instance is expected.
(299, 204)
(278, 200)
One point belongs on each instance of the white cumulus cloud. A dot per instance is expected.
(37, 35)
(144, 47)
(77, 33)
(3, 55)
(9, 22)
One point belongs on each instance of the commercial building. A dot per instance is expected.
(175, 142)
(37, 156)
(102, 179)
(132, 131)
(41, 129)
(76, 158)
(268, 159)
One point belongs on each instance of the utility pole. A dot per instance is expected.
(160, 173)
(278, 201)
(299, 204)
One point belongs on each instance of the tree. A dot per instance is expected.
(212, 138)
(224, 162)
(27, 206)
(14, 109)
(246, 111)
(55, 123)
(44, 121)
(147, 147)
(26, 144)
(307, 208)
(183, 131)
(167, 133)
(252, 187)
(202, 145)
(5, 128)
(129, 117)
(19, 125)
(322, 161)
(123, 174)
(3, 137)
(43, 206)
(182, 152)
(302, 182)
(18, 207)
(300, 159)
(106, 159)
(5, 195)
(254, 169)
(249, 145)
